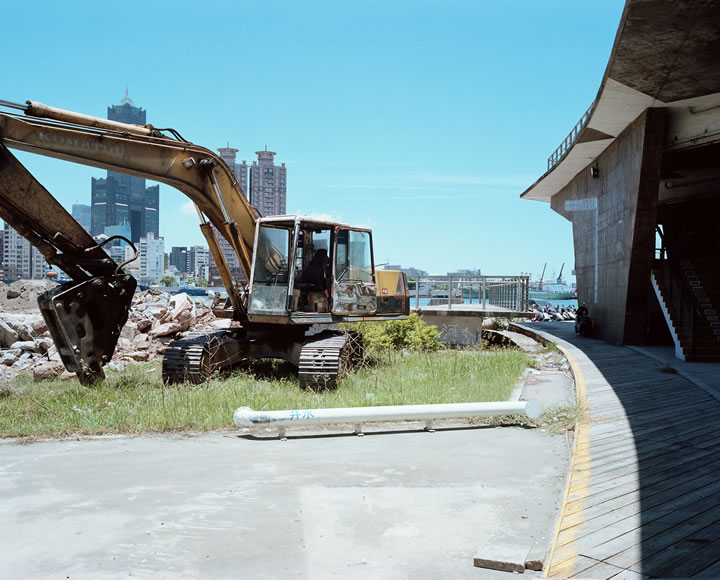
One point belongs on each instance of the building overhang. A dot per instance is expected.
(664, 56)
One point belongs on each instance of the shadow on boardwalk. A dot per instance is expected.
(644, 489)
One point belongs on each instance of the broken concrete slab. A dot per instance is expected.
(502, 555)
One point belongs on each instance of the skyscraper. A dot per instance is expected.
(82, 215)
(123, 199)
(268, 184)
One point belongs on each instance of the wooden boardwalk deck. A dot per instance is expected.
(644, 487)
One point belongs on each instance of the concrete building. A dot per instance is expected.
(232, 260)
(21, 261)
(83, 215)
(120, 198)
(199, 262)
(180, 258)
(268, 184)
(240, 170)
(152, 259)
(639, 178)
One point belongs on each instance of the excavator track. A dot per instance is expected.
(322, 360)
(328, 357)
(197, 356)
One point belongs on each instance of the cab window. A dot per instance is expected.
(353, 260)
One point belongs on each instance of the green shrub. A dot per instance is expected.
(412, 334)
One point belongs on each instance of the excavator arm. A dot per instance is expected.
(85, 316)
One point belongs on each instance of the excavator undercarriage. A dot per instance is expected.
(322, 359)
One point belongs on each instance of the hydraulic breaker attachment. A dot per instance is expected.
(85, 319)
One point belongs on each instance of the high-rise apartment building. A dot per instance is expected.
(268, 184)
(124, 199)
(83, 215)
(21, 260)
(240, 170)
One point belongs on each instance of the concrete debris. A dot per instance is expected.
(155, 319)
(47, 370)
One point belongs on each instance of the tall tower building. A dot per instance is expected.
(123, 199)
(268, 184)
(240, 170)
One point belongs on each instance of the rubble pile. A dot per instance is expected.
(21, 296)
(154, 320)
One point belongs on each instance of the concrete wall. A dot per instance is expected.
(614, 243)
(457, 329)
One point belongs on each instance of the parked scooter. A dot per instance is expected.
(583, 322)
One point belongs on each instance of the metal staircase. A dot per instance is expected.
(689, 294)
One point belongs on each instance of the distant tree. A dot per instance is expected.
(167, 280)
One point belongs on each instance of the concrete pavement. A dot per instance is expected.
(404, 504)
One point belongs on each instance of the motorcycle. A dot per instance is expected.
(583, 322)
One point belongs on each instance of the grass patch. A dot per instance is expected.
(136, 401)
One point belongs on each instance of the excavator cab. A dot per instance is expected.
(306, 271)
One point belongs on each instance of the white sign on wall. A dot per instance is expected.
(581, 204)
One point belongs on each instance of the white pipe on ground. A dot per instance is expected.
(246, 417)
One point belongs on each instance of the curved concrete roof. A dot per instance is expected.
(665, 55)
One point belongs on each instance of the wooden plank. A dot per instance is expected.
(677, 428)
(648, 510)
(605, 570)
(648, 498)
(677, 457)
(647, 449)
(624, 432)
(597, 494)
(687, 557)
(712, 571)
(649, 551)
(627, 544)
(688, 433)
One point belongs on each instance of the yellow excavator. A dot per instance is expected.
(303, 276)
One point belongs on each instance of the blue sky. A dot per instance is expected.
(423, 120)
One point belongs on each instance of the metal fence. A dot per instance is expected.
(569, 141)
(507, 292)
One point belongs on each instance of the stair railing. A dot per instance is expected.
(678, 292)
